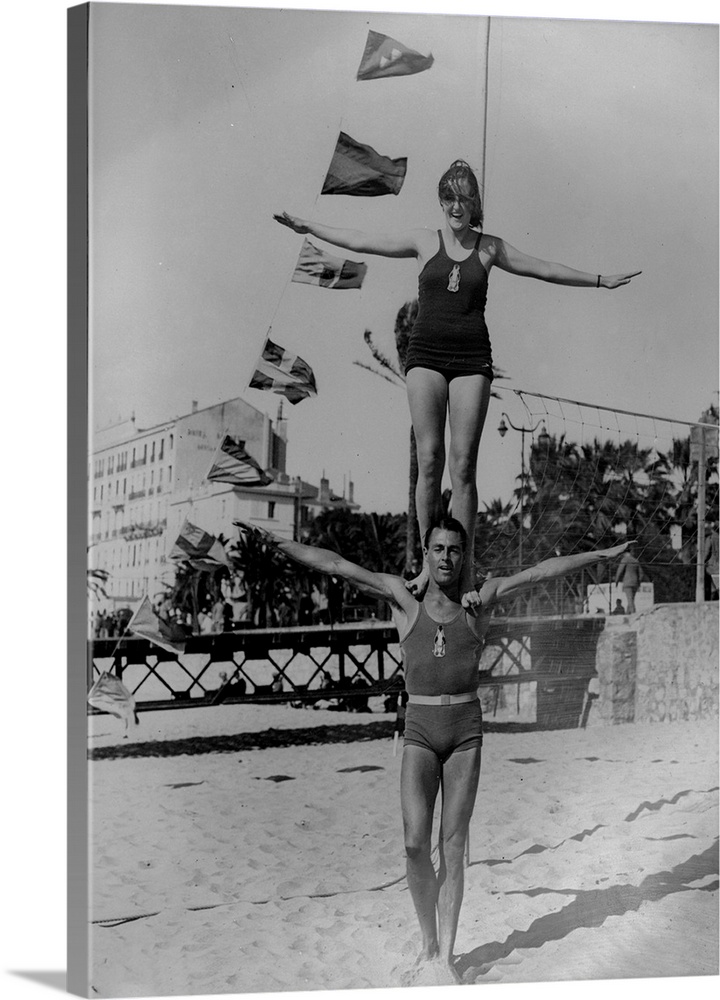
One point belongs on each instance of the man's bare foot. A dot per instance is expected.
(418, 585)
(436, 972)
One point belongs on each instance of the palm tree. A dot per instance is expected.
(268, 577)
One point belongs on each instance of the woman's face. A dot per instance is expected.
(457, 208)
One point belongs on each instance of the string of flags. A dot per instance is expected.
(358, 170)
(109, 694)
(198, 547)
(316, 267)
(383, 56)
(281, 371)
(146, 622)
(233, 464)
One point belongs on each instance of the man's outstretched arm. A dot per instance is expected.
(331, 564)
(550, 569)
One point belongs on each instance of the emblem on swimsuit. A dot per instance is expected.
(439, 642)
(454, 279)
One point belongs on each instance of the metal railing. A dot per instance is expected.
(294, 665)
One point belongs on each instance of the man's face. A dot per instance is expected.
(444, 556)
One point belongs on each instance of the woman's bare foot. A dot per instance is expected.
(418, 585)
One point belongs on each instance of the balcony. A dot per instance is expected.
(138, 462)
(137, 494)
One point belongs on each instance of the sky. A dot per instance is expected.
(601, 152)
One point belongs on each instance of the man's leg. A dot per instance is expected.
(419, 784)
(460, 776)
(630, 600)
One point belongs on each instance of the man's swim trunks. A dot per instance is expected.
(444, 729)
(442, 658)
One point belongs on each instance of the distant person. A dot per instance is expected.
(305, 609)
(218, 615)
(277, 685)
(629, 574)
(442, 638)
(618, 609)
(205, 621)
(320, 607)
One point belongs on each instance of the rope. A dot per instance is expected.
(610, 409)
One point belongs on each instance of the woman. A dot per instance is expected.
(449, 360)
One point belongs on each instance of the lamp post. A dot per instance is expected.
(544, 437)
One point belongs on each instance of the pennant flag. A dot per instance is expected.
(204, 551)
(384, 56)
(232, 464)
(280, 371)
(315, 267)
(359, 170)
(148, 624)
(110, 695)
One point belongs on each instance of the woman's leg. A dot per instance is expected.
(428, 399)
(468, 398)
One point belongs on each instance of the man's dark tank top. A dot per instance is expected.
(450, 331)
(453, 672)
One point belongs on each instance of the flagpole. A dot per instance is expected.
(483, 44)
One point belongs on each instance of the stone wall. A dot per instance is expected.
(659, 665)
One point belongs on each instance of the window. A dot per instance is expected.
(169, 472)
(172, 438)
(271, 509)
(152, 453)
(162, 448)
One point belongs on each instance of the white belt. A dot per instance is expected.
(442, 699)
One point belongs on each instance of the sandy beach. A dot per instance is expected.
(252, 849)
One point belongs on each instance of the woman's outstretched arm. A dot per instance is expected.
(507, 258)
(383, 244)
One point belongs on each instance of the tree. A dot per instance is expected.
(374, 541)
(195, 587)
(269, 578)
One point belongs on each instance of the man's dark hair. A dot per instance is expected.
(446, 523)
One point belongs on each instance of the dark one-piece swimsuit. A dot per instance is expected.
(450, 335)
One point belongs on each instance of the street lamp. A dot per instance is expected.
(544, 440)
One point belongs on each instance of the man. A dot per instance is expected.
(441, 637)
(629, 573)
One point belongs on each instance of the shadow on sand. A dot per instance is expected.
(590, 908)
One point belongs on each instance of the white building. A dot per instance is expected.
(144, 484)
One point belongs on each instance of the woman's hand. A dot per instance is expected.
(297, 225)
(615, 280)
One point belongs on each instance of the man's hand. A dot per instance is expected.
(253, 529)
